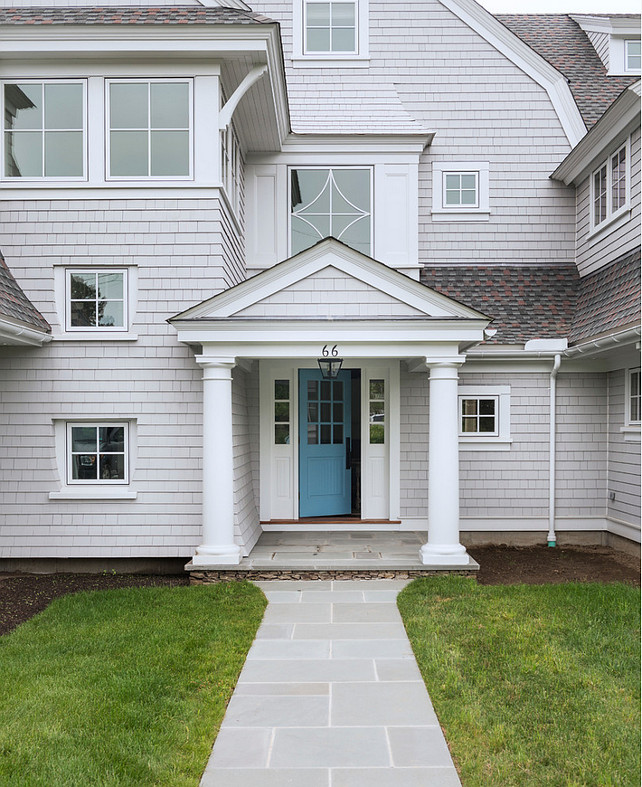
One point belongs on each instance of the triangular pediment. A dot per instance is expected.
(329, 281)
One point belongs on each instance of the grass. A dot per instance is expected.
(122, 687)
(533, 685)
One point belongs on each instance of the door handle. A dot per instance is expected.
(348, 454)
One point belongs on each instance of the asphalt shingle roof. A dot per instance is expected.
(15, 305)
(608, 299)
(187, 15)
(525, 302)
(561, 41)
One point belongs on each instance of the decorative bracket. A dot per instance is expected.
(227, 110)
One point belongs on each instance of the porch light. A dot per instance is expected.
(330, 367)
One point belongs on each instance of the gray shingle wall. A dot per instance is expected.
(624, 458)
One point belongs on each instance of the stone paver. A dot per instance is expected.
(331, 696)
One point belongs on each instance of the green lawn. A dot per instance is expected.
(533, 685)
(122, 687)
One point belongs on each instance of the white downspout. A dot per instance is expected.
(551, 538)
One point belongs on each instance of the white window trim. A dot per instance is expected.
(103, 333)
(617, 53)
(631, 430)
(93, 490)
(501, 441)
(359, 58)
(331, 167)
(45, 178)
(626, 56)
(614, 219)
(149, 178)
(440, 211)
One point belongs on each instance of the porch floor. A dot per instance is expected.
(346, 550)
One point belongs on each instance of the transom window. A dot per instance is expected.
(460, 189)
(96, 299)
(44, 134)
(149, 129)
(632, 56)
(97, 453)
(331, 203)
(330, 27)
(478, 415)
(610, 187)
(634, 398)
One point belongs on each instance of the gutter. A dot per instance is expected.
(551, 538)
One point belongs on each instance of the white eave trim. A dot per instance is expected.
(532, 64)
(610, 25)
(602, 344)
(17, 333)
(613, 123)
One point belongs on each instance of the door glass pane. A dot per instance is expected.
(281, 389)
(313, 389)
(337, 434)
(376, 389)
(128, 105)
(377, 434)
(337, 412)
(63, 106)
(313, 413)
(337, 390)
(313, 437)
(128, 150)
(376, 409)
(282, 434)
(325, 412)
(325, 434)
(281, 411)
(63, 154)
(325, 389)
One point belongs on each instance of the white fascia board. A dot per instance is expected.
(15, 332)
(615, 122)
(605, 344)
(613, 25)
(535, 66)
(325, 254)
(357, 143)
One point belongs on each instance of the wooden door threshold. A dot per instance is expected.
(331, 520)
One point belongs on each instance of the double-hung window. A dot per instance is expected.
(610, 187)
(634, 399)
(96, 300)
(149, 128)
(44, 129)
(331, 202)
(97, 453)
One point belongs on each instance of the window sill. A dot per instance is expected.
(479, 444)
(610, 225)
(94, 493)
(460, 215)
(631, 434)
(84, 336)
(315, 61)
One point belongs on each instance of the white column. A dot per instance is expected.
(443, 545)
(218, 545)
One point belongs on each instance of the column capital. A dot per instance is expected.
(216, 368)
(448, 369)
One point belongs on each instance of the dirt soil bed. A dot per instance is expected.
(23, 596)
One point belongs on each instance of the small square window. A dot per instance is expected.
(149, 129)
(330, 27)
(97, 453)
(44, 130)
(460, 190)
(96, 300)
(478, 415)
(632, 56)
(484, 418)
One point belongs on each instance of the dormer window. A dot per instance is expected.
(632, 56)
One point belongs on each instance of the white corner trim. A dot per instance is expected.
(540, 70)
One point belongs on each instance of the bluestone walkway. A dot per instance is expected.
(331, 696)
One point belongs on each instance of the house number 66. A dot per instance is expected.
(325, 352)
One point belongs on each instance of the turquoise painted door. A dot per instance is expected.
(325, 487)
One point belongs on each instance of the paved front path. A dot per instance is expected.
(330, 696)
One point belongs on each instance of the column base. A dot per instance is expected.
(224, 555)
(444, 555)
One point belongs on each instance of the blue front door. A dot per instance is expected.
(325, 478)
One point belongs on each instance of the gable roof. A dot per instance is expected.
(608, 299)
(330, 254)
(524, 302)
(14, 304)
(561, 41)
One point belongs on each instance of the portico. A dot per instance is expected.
(379, 321)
